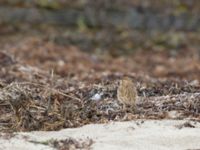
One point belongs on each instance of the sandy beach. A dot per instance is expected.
(140, 135)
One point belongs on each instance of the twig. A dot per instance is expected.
(6, 104)
(3, 123)
(66, 95)
(51, 85)
(53, 89)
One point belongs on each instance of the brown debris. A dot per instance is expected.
(83, 88)
(72, 144)
(186, 124)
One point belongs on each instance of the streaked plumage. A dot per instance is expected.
(127, 92)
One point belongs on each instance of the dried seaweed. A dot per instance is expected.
(68, 144)
(82, 89)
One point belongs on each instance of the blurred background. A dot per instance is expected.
(156, 37)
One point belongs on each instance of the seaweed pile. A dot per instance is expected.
(44, 86)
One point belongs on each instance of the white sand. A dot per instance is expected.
(156, 135)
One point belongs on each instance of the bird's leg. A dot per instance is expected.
(17, 120)
(124, 108)
(132, 109)
(17, 115)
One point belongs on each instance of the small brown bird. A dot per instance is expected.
(127, 92)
